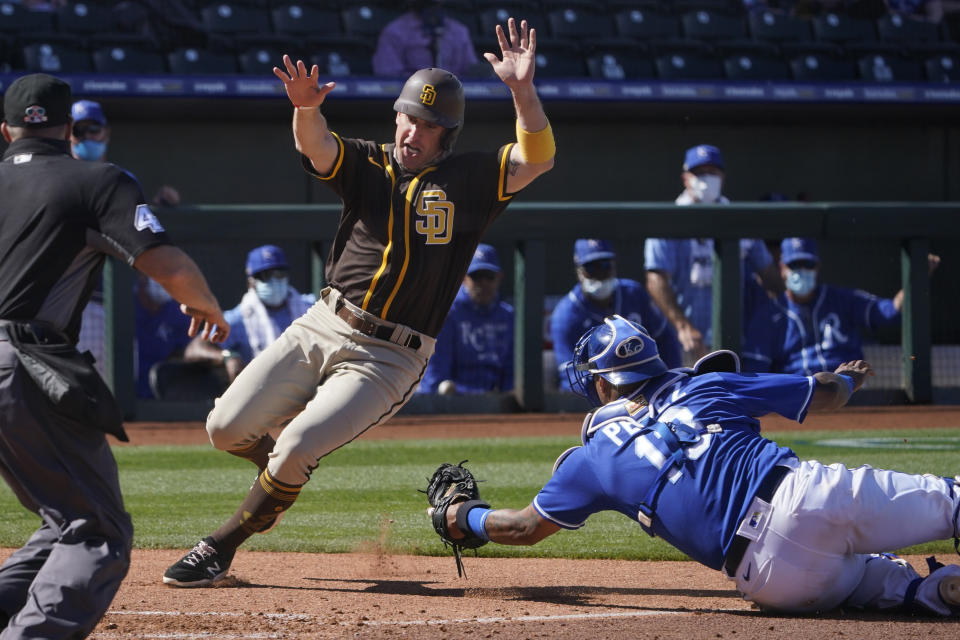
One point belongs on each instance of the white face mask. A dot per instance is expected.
(273, 291)
(706, 188)
(801, 281)
(599, 289)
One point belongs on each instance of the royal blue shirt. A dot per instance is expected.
(474, 348)
(788, 337)
(703, 498)
(576, 313)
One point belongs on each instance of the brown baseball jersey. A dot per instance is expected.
(405, 239)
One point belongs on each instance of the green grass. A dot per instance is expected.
(365, 495)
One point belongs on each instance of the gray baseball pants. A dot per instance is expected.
(61, 582)
(324, 380)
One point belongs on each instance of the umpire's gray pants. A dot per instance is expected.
(60, 583)
(322, 379)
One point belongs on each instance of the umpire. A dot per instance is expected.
(59, 218)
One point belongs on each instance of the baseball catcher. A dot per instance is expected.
(679, 452)
(454, 484)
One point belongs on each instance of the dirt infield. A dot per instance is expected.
(373, 595)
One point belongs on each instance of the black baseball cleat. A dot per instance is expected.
(201, 566)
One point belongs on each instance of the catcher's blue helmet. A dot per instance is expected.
(619, 351)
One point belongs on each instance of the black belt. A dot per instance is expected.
(373, 328)
(740, 543)
(31, 332)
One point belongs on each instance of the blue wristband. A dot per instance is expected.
(849, 382)
(477, 520)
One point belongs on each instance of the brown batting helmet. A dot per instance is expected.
(434, 95)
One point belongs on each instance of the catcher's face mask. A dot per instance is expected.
(619, 351)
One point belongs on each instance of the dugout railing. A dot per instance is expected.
(536, 228)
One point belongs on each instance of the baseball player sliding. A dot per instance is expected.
(413, 214)
(680, 452)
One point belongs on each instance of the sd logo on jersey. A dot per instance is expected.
(428, 95)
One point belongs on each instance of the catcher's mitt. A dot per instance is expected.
(452, 484)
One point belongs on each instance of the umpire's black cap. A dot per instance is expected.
(36, 101)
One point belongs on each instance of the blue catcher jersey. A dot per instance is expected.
(699, 498)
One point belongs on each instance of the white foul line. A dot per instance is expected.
(397, 623)
(565, 616)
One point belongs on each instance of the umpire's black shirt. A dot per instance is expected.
(59, 218)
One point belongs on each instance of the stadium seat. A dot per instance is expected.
(15, 19)
(233, 18)
(706, 25)
(55, 57)
(465, 13)
(260, 60)
(821, 67)
(778, 27)
(553, 5)
(190, 60)
(559, 60)
(612, 60)
(646, 25)
(683, 66)
(366, 19)
(896, 28)
(573, 23)
(298, 19)
(943, 68)
(342, 57)
(84, 17)
(883, 68)
(755, 67)
(186, 381)
(492, 14)
(835, 27)
(686, 46)
(615, 6)
(125, 59)
(680, 7)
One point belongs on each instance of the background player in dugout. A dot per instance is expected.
(59, 219)
(474, 349)
(679, 451)
(413, 215)
(600, 293)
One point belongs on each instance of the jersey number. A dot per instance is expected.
(645, 448)
(436, 217)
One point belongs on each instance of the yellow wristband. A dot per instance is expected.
(536, 147)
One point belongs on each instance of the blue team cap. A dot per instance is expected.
(88, 110)
(794, 249)
(484, 259)
(265, 258)
(702, 154)
(586, 250)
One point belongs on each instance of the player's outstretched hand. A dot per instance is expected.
(856, 369)
(517, 63)
(303, 88)
(215, 327)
